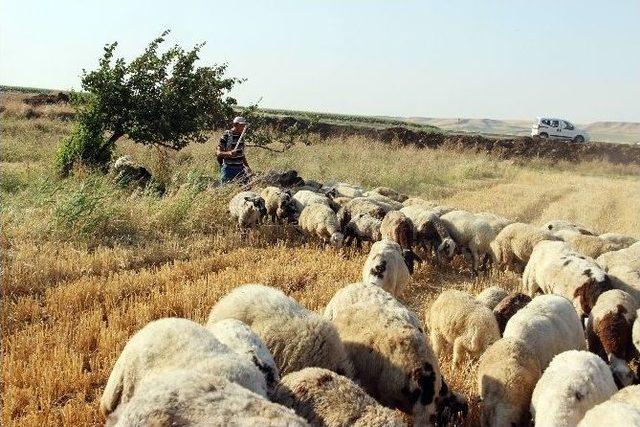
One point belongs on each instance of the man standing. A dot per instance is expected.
(230, 154)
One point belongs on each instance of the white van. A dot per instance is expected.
(557, 128)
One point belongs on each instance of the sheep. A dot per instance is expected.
(612, 413)
(325, 398)
(621, 239)
(397, 227)
(430, 231)
(457, 319)
(304, 198)
(434, 207)
(388, 192)
(507, 374)
(513, 245)
(319, 220)
(247, 209)
(491, 296)
(243, 341)
(556, 268)
(392, 358)
(280, 206)
(362, 228)
(496, 222)
(297, 338)
(591, 246)
(609, 332)
(341, 201)
(342, 189)
(173, 343)
(388, 266)
(549, 325)
(629, 394)
(509, 306)
(188, 397)
(472, 233)
(384, 201)
(561, 224)
(360, 206)
(629, 257)
(574, 382)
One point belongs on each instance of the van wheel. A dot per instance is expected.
(579, 139)
(544, 135)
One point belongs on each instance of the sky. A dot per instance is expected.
(579, 60)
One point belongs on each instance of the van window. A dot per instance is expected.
(554, 123)
(546, 122)
(568, 125)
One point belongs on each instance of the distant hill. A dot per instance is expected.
(620, 132)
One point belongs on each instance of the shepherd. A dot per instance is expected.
(230, 154)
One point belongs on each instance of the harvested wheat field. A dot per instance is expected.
(85, 263)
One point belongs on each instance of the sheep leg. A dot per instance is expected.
(459, 351)
(438, 343)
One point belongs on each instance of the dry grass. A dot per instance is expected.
(80, 276)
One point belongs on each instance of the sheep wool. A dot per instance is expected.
(457, 319)
(496, 222)
(509, 306)
(629, 257)
(513, 245)
(612, 413)
(363, 227)
(561, 224)
(386, 267)
(621, 239)
(297, 338)
(193, 398)
(626, 279)
(397, 227)
(247, 209)
(507, 374)
(609, 331)
(280, 206)
(304, 198)
(471, 232)
(591, 246)
(392, 358)
(573, 383)
(242, 340)
(390, 193)
(556, 268)
(325, 398)
(549, 325)
(429, 230)
(319, 220)
(174, 343)
(491, 296)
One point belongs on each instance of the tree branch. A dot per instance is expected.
(264, 147)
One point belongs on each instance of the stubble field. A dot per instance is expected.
(85, 264)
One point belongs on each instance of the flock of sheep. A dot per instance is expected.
(564, 352)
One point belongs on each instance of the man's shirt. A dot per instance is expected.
(228, 143)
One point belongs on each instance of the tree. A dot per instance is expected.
(158, 98)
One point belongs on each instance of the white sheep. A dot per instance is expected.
(590, 246)
(385, 201)
(362, 228)
(549, 325)
(304, 198)
(491, 296)
(574, 382)
(430, 231)
(279, 203)
(392, 358)
(513, 245)
(388, 192)
(319, 220)
(507, 373)
(561, 224)
(434, 207)
(388, 267)
(325, 398)
(629, 257)
(612, 413)
(609, 331)
(174, 343)
(361, 206)
(457, 319)
(187, 397)
(556, 268)
(623, 268)
(342, 189)
(297, 338)
(621, 239)
(243, 341)
(470, 232)
(629, 394)
(247, 209)
(397, 227)
(496, 222)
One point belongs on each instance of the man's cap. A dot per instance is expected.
(240, 120)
